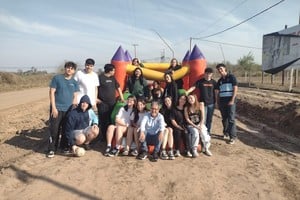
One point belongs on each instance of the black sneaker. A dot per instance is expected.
(164, 155)
(114, 152)
(66, 151)
(155, 157)
(87, 147)
(107, 150)
(50, 154)
(142, 155)
(134, 152)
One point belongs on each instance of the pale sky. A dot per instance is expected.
(44, 34)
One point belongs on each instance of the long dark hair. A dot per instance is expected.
(133, 77)
(126, 106)
(136, 111)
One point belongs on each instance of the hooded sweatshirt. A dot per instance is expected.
(77, 119)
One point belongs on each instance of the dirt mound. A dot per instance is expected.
(278, 110)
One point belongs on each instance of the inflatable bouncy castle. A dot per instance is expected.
(193, 66)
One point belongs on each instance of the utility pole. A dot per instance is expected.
(134, 46)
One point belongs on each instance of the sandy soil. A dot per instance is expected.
(263, 164)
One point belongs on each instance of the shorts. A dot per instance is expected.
(85, 132)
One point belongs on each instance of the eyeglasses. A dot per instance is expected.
(154, 108)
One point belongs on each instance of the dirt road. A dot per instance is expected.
(11, 99)
(263, 164)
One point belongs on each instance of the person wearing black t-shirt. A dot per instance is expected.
(207, 87)
(106, 100)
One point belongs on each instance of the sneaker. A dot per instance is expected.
(155, 157)
(50, 154)
(195, 154)
(107, 150)
(164, 155)
(125, 153)
(226, 137)
(87, 147)
(66, 151)
(134, 152)
(231, 141)
(142, 155)
(207, 152)
(188, 154)
(171, 155)
(177, 153)
(114, 152)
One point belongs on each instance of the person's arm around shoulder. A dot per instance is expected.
(121, 94)
(191, 89)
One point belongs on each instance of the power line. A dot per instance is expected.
(242, 21)
(222, 17)
(231, 44)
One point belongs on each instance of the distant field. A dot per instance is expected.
(10, 81)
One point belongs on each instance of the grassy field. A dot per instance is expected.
(10, 81)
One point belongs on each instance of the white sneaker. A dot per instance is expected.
(50, 154)
(195, 154)
(188, 154)
(177, 153)
(207, 152)
(226, 137)
(231, 141)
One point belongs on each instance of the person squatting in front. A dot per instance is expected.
(81, 125)
(151, 132)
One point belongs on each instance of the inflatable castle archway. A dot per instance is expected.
(193, 66)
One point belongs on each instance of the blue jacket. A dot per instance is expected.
(77, 120)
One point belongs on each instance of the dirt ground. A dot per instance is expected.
(263, 164)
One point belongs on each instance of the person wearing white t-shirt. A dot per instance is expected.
(88, 82)
(122, 122)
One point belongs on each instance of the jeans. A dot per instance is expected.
(228, 119)
(209, 112)
(193, 138)
(152, 140)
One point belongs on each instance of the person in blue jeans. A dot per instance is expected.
(207, 87)
(226, 92)
(151, 131)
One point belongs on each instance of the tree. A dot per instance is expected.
(247, 62)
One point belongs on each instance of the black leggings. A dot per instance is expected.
(179, 135)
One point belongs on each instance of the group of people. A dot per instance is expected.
(174, 124)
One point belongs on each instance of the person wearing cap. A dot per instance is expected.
(207, 87)
(88, 82)
(226, 101)
(81, 127)
(108, 85)
(63, 95)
